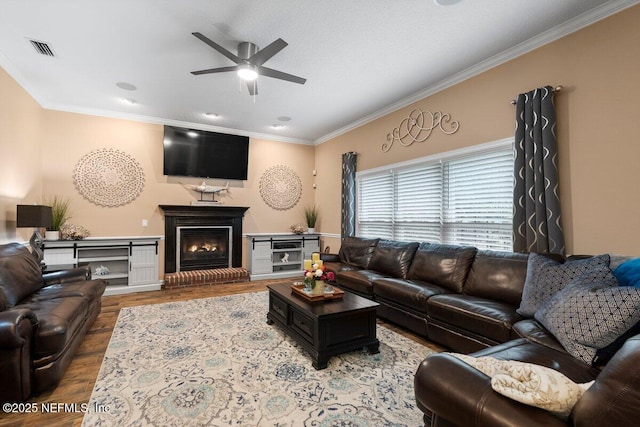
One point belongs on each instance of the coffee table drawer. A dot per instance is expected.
(302, 324)
(278, 307)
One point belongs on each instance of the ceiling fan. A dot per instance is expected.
(249, 62)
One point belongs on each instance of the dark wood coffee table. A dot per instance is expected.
(324, 328)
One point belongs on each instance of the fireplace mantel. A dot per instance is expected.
(181, 215)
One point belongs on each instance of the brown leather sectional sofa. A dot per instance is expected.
(466, 299)
(43, 320)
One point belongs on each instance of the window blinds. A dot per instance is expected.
(462, 200)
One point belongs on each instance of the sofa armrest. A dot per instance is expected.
(325, 257)
(17, 328)
(462, 395)
(70, 275)
(614, 399)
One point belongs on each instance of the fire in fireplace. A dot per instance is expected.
(203, 247)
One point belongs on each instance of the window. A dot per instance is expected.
(462, 198)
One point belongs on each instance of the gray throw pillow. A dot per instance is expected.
(546, 277)
(585, 318)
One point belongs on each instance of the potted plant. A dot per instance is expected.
(311, 217)
(60, 213)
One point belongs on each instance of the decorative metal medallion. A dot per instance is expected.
(108, 177)
(415, 128)
(280, 187)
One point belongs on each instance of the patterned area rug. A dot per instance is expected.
(215, 362)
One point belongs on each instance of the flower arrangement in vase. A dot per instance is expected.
(315, 275)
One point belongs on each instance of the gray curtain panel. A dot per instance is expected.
(536, 221)
(348, 227)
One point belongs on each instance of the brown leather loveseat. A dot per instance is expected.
(43, 320)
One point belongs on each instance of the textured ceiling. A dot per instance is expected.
(361, 58)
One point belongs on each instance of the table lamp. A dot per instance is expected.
(35, 216)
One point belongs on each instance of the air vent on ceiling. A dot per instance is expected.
(42, 48)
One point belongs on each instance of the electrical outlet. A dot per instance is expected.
(145, 223)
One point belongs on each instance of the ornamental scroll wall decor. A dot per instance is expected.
(280, 187)
(108, 177)
(415, 128)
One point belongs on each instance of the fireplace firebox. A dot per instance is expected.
(203, 247)
(202, 237)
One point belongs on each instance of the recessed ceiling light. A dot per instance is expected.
(277, 126)
(130, 101)
(284, 118)
(126, 86)
(446, 2)
(212, 115)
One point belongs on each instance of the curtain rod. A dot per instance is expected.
(555, 89)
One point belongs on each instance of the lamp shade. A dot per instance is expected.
(34, 216)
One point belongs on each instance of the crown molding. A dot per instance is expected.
(170, 122)
(581, 21)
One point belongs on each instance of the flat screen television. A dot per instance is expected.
(198, 153)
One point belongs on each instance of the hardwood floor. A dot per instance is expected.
(79, 379)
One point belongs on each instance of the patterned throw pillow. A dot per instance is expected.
(585, 318)
(546, 277)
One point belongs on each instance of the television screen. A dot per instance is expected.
(203, 154)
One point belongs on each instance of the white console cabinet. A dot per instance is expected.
(128, 264)
(273, 256)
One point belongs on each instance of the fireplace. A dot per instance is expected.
(202, 237)
(200, 248)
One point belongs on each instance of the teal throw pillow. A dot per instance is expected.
(628, 273)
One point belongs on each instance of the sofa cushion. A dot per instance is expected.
(20, 274)
(487, 318)
(89, 289)
(357, 251)
(335, 267)
(587, 317)
(59, 321)
(532, 330)
(546, 277)
(412, 294)
(497, 276)
(442, 265)
(393, 258)
(358, 281)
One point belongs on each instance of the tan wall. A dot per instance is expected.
(20, 145)
(71, 136)
(40, 149)
(598, 130)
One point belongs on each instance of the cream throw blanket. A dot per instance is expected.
(530, 384)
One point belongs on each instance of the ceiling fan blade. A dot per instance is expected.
(253, 87)
(263, 55)
(215, 70)
(264, 71)
(217, 47)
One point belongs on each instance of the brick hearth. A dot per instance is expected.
(214, 276)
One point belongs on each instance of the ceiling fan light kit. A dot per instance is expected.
(247, 72)
(446, 2)
(249, 62)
